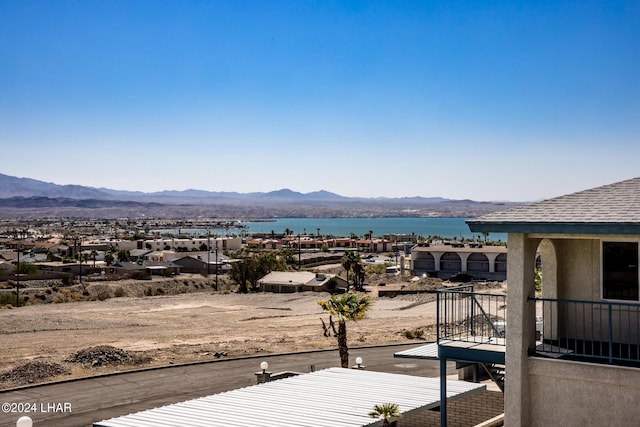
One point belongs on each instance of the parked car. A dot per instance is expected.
(461, 278)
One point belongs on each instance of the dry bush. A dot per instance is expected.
(67, 295)
(414, 334)
(100, 291)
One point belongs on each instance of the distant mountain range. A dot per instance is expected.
(25, 197)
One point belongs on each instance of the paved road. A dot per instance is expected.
(95, 399)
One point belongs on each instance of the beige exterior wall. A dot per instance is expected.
(578, 269)
(576, 275)
(544, 392)
(582, 394)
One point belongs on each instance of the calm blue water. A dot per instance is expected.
(444, 227)
(425, 227)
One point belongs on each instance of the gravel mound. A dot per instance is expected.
(105, 355)
(32, 372)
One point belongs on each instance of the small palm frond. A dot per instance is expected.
(386, 411)
(347, 306)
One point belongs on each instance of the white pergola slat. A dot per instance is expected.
(334, 396)
(427, 351)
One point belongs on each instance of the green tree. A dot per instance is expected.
(26, 268)
(537, 279)
(239, 273)
(287, 254)
(108, 258)
(386, 411)
(123, 255)
(252, 267)
(347, 306)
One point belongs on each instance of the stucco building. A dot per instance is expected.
(481, 262)
(583, 368)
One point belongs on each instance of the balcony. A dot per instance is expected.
(589, 331)
(471, 325)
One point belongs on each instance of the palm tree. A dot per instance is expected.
(347, 306)
(349, 259)
(485, 234)
(358, 275)
(386, 411)
(94, 254)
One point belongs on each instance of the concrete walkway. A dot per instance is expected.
(83, 402)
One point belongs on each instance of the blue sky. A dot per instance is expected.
(486, 100)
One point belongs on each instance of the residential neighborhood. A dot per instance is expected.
(571, 270)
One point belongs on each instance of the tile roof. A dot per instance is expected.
(610, 209)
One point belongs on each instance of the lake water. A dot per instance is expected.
(443, 227)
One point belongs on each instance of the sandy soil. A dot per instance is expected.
(195, 326)
(202, 325)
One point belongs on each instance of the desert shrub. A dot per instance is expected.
(119, 292)
(100, 292)
(67, 295)
(66, 281)
(9, 298)
(148, 291)
(417, 334)
(160, 290)
(376, 268)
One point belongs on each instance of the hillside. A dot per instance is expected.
(25, 198)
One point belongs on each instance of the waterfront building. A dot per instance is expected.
(444, 261)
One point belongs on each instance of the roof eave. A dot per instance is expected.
(553, 228)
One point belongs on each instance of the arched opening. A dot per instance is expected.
(478, 263)
(424, 263)
(546, 283)
(500, 264)
(547, 270)
(450, 262)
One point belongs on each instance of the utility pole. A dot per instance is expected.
(299, 253)
(396, 251)
(79, 253)
(209, 250)
(18, 279)
(216, 264)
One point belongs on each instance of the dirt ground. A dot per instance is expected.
(171, 329)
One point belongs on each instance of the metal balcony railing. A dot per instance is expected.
(468, 316)
(594, 331)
